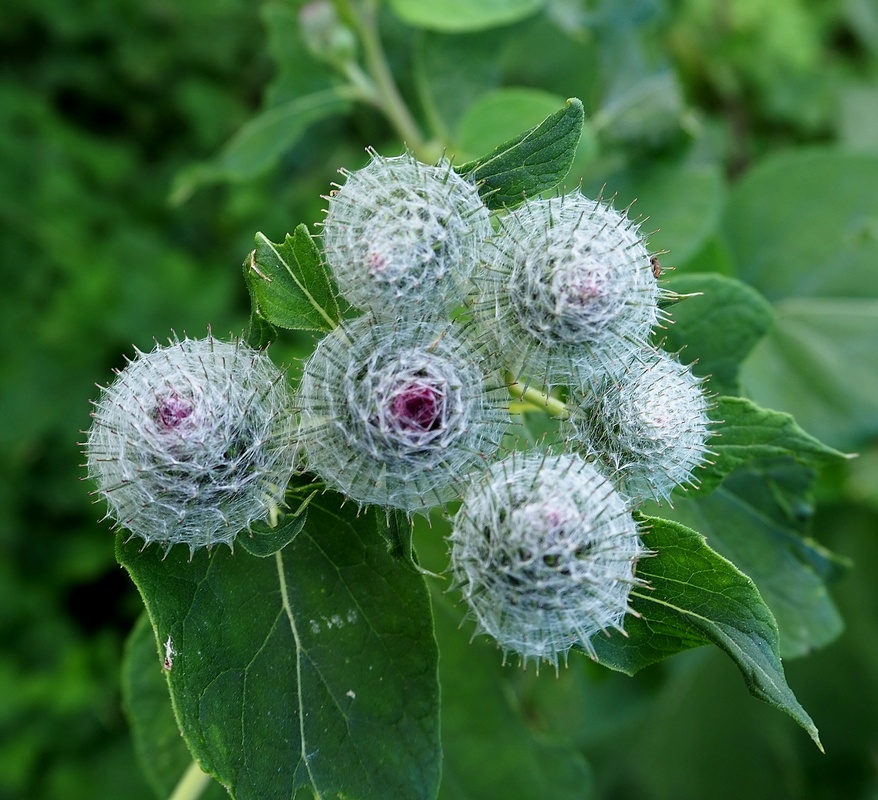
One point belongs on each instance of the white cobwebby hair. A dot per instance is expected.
(397, 414)
(193, 442)
(648, 428)
(544, 550)
(403, 237)
(568, 291)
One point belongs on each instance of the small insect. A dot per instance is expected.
(169, 655)
(656, 267)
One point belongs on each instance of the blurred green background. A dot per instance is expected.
(748, 130)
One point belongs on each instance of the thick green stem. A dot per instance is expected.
(192, 784)
(536, 398)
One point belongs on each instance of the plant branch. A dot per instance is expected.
(536, 398)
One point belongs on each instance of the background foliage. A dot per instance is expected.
(748, 131)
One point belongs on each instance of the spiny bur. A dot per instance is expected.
(193, 442)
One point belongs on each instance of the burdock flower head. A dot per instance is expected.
(568, 290)
(544, 550)
(648, 427)
(193, 442)
(396, 414)
(402, 236)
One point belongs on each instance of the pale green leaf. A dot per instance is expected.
(805, 224)
(260, 143)
(820, 364)
(683, 204)
(459, 16)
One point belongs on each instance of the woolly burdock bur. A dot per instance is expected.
(544, 551)
(396, 414)
(568, 290)
(401, 236)
(648, 427)
(193, 442)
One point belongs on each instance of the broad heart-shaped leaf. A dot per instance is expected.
(530, 163)
(716, 329)
(694, 597)
(805, 224)
(289, 283)
(749, 432)
(257, 146)
(161, 752)
(461, 16)
(315, 669)
(820, 363)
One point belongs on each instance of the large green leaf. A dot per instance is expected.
(458, 16)
(258, 145)
(289, 283)
(717, 328)
(805, 224)
(531, 162)
(749, 432)
(313, 669)
(695, 596)
(820, 364)
(162, 753)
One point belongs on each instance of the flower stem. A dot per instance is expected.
(389, 98)
(536, 398)
(192, 784)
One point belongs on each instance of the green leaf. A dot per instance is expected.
(161, 753)
(290, 284)
(498, 116)
(262, 540)
(452, 73)
(459, 16)
(258, 146)
(718, 328)
(820, 364)
(749, 432)
(805, 224)
(260, 332)
(695, 596)
(313, 669)
(531, 162)
(396, 528)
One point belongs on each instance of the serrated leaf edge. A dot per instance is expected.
(308, 296)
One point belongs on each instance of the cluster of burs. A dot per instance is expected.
(407, 406)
